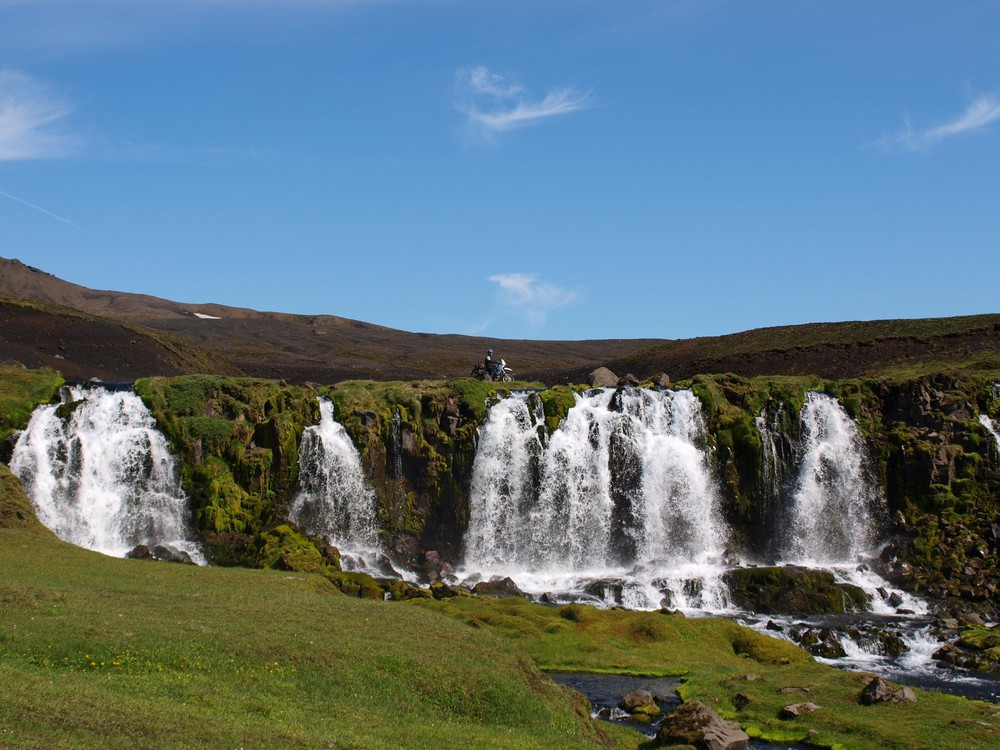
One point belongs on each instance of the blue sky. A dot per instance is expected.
(549, 170)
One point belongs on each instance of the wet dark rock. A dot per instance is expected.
(548, 598)
(139, 552)
(640, 702)
(892, 644)
(628, 381)
(498, 587)
(698, 725)
(441, 590)
(792, 590)
(609, 590)
(164, 553)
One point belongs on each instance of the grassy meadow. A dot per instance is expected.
(97, 652)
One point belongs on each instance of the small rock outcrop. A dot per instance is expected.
(795, 710)
(698, 725)
(500, 588)
(880, 690)
(640, 703)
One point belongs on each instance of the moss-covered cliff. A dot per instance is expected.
(238, 439)
(937, 465)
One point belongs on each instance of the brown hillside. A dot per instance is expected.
(298, 348)
(832, 350)
(118, 336)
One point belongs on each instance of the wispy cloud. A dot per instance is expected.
(30, 119)
(493, 104)
(45, 211)
(977, 117)
(525, 295)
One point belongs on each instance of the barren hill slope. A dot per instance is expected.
(119, 336)
(321, 348)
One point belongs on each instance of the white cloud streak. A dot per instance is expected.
(45, 211)
(977, 117)
(493, 104)
(30, 116)
(525, 295)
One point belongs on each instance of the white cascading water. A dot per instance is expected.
(334, 500)
(992, 428)
(620, 490)
(103, 479)
(832, 516)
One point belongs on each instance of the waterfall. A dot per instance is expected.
(334, 500)
(771, 466)
(621, 488)
(992, 428)
(504, 480)
(778, 456)
(101, 476)
(832, 517)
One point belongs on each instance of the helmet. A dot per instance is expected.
(489, 351)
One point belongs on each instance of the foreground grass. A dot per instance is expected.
(716, 657)
(103, 653)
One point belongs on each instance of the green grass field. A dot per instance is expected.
(97, 652)
(715, 657)
(104, 653)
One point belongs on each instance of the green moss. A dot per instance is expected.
(556, 403)
(239, 441)
(21, 391)
(286, 548)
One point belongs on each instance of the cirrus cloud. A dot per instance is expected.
(977, 117)
(30, 117)
(524, 294)
(493, 104)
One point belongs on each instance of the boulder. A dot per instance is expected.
(502, 587)
(165, 553)
(139, 552)
(661, 379)
(602, 377)
(792, 590)
(698, 725)
(880, 690)
(640, 702)
(442, 590)
(628, 381)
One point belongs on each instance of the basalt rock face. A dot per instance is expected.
(936, 464)
(238, 440)
(942, 478)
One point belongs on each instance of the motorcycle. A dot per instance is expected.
(499, 374)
